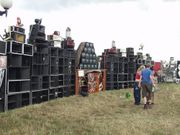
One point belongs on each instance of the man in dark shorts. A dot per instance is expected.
(146, 82)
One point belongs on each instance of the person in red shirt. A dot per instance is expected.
(137, 89)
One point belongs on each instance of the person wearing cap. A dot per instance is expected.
(146, 82)
(136, 88)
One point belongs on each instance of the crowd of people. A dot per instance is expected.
(144, 86)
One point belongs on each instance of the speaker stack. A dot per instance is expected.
(123, 71)
(17, 34)
(69, 71)
(178, 70)
(40, 63)
(139, 59)
(55, 39)
(15, 65)
(131, 66)
(3, 74)
(110, 62)
(86, 57)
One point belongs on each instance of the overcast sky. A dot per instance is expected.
(153, 23)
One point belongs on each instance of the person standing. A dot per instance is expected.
(136, 88)
(155, 76)
(146, 82)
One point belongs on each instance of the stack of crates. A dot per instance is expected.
(131, 66)
(69, 67)
(40, 63)
(19, 55)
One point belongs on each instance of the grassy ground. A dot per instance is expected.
(108, 113)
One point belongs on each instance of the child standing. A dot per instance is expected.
(153, 88)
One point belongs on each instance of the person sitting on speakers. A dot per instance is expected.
(19, 23)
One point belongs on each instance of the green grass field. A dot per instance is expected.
(108, 113)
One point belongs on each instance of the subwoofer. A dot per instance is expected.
(178, 69)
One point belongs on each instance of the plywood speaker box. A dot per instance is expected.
(18, 37)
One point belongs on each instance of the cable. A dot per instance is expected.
(1, 76)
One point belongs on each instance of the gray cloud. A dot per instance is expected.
(48, 5)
